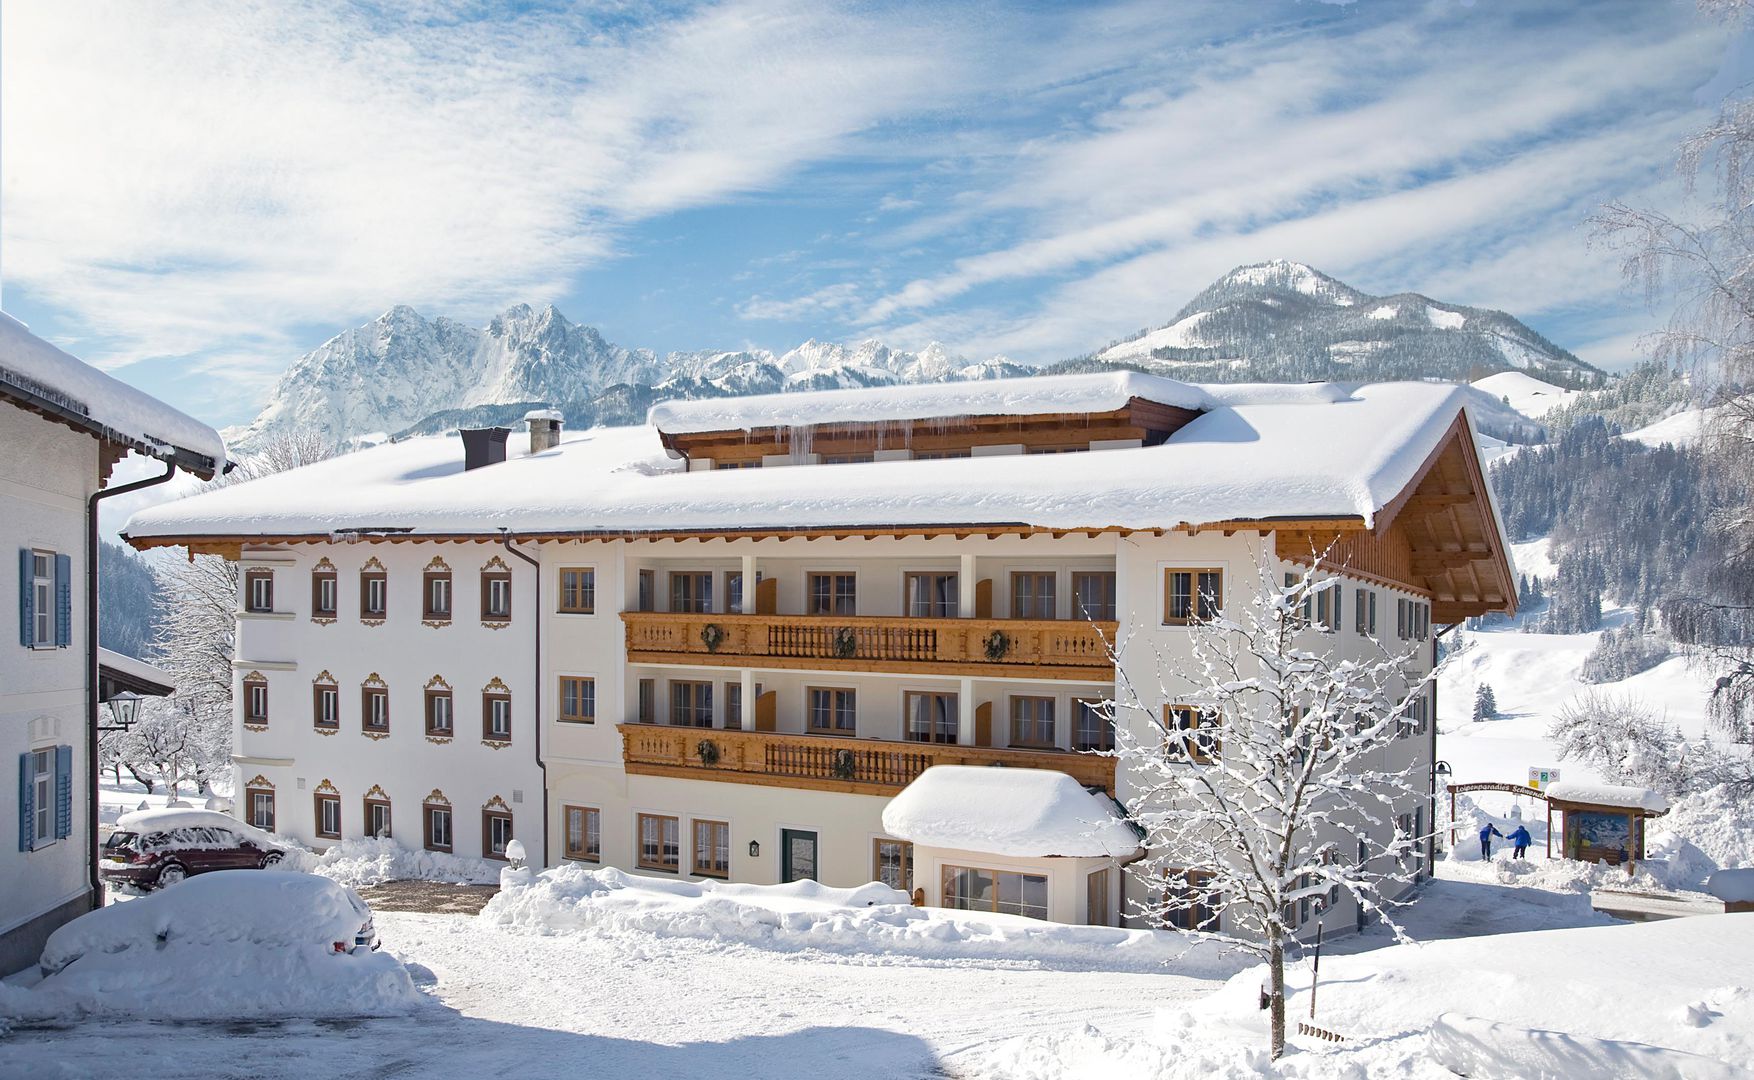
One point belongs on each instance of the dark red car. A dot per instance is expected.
(154, 848)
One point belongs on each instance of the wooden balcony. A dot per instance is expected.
(826, 762)
(994, 648)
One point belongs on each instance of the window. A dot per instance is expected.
(1094, 728)
(40, 597)
(1412, 620)
(438, 826)
(496, 829)
(1421, 620)
(325, 707)
(832, 711)
(42, 805)
(496, 596)
(1032, 595)
(712, 849)
(261, 804)
(1200, 743)
(940, 455)
(496, 715)
(1056, 449)
(1364, 611)
(578, 590)
(438, 714)
(1093, 595)
(1096, 898)
(931, 596)
(584, 833)
(733, 706)
(734, 592)
(846, 459)
(930, 717)
(1193, 595)
(752, 463)
(1327, 607)
(578, 700)
(691, 704)
(893, 864)
(1032, 721)
(660, 843)
(1000, 891)
(1195, 905)
(691, 591)
(258, 590)
(832, 594)
(647, 705)
(324, 594)
(436, 585)
(377, 818)
(374, 594)
(329, 816)
(375, 709)
(648, 591)
(256, 700)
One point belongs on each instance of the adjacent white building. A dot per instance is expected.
(63, 426)
(754, 623)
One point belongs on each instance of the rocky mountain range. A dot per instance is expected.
(403, 373)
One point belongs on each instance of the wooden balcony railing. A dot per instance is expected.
(1029, 648)
(826, 762)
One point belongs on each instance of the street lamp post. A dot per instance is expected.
(124, 708)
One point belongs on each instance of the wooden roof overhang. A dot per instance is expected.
(1439, 535)
(1150, 422)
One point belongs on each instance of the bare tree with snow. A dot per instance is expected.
(1277, 791)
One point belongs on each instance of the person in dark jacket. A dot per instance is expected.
(1520, 838)
(1486, 836)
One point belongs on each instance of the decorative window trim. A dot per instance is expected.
(253, 676)
(262, 784)
(325, 681)
(495, 569)
(494, 808)
(437, 687)
(374, 681)
(326, 791)
(437, 801)
(373, 569)
(496, 689)
(433, 571)
(376, 796)
(325, 568)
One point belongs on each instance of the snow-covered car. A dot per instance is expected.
(154, 848)
(293, 911)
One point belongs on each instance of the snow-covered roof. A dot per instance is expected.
(1024, 813)
(139, 670)
(1633, 798)
(32, 365)
(1104, 392)
(1267, 451)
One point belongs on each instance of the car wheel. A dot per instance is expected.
(272, 859)
(171, 875)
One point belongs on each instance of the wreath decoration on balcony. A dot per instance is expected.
(707, 751)
(845, 765)
(845, 643)
(998, 644)
(712, 635)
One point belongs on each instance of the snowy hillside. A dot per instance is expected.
(1284, 321)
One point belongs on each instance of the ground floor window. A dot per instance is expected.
(261, 804)
(584, 833)
(377, 818)
(1096, 898)
(893, 864)
(712, 849)
(329, 817)
(438, 827)
(660, 843)
(496, 832)
(1006, 892)
(1192, 904)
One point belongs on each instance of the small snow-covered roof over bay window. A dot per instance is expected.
(35, 375)
(1022, 813)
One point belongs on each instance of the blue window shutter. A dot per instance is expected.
(27, 598)
(63, 600)
(63, 792)
(27, 782)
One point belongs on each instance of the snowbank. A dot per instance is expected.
(1468, 1046)
(1732, 886)
(369, 861)
(872, 921)
(1026, 813)
(35, 365)
(231, 944)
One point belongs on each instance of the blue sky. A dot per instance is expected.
(194, 194)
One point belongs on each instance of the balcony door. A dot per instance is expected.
(797, 855)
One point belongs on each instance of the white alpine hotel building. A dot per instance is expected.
(731, 643)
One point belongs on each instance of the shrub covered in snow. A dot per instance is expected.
(237, 943)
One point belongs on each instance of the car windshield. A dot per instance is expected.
(120, 839)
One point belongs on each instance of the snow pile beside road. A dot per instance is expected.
(869, 920)
(370, 861)
(232, 944)
(1714, 822)
(1470, 1047)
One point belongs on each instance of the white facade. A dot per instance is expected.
(317, 665)
(46, 474)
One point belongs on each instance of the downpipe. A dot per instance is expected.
(505, 538)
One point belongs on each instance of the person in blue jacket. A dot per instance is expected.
(1486, 836)
(1520, 838)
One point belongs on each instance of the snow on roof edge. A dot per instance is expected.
(1633, 798)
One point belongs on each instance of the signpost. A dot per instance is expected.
(1541, 779)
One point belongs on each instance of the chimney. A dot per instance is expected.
(483, 446)
(544, 429)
